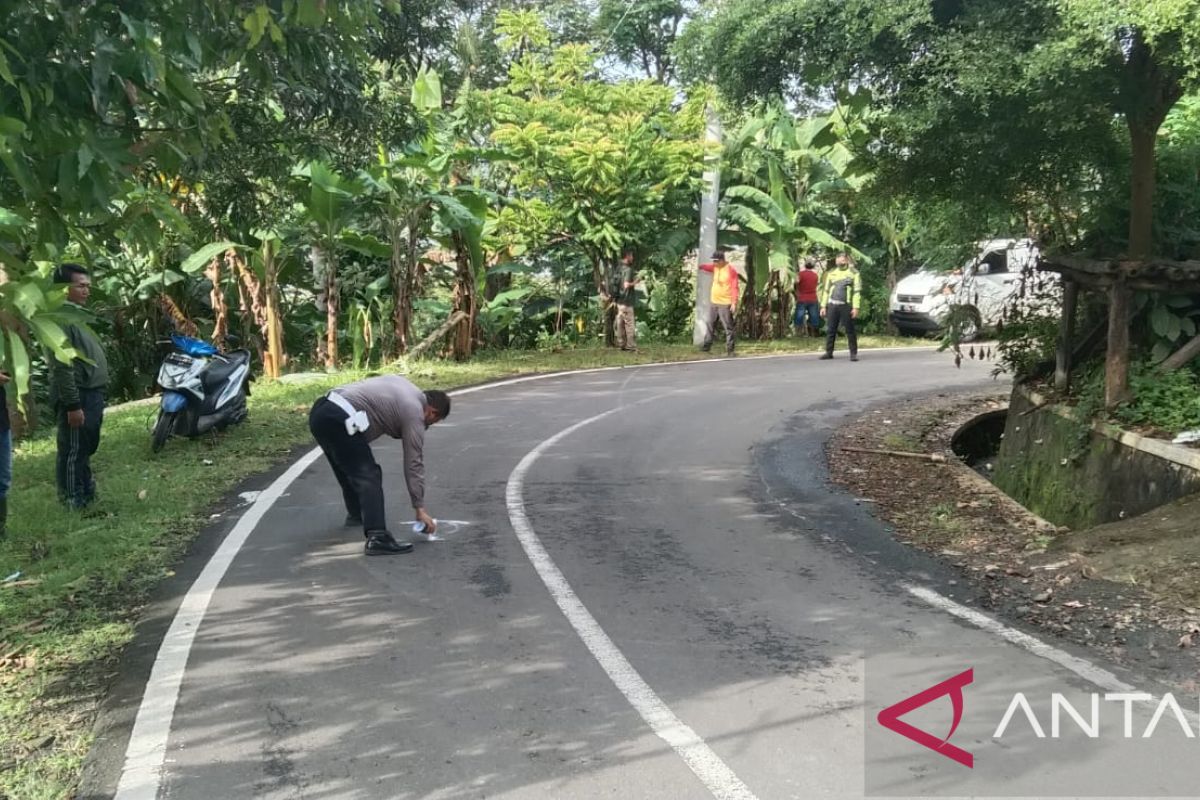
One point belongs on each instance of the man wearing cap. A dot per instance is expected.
(723, 300)
(346, 420)
(840, 288)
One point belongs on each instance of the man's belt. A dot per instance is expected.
(356, 421)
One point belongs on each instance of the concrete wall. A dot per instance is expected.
(1081, 476)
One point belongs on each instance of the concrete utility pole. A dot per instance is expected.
(708, 221)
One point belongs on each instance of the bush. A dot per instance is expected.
(1168, 401)
(1163, 401)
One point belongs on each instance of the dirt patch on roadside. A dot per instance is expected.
(1130, 590)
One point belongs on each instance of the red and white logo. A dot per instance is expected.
(890, 717)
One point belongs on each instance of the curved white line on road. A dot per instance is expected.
(1081, 667)
(707, 765)
(146, 751)
(148, 742)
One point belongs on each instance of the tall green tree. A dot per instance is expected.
(614, 164)
(103, 106)
(1000, 98)
(642, 33)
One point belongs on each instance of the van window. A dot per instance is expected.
(996, 261)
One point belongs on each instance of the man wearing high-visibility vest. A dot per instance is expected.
(840, 289)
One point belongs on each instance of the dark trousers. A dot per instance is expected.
(725, 314)
(76, 446)
(836, 316)
(353, 464)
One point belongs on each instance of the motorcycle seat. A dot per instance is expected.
(222, 366)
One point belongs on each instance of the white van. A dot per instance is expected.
(984, 285)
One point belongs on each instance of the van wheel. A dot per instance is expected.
(972, 326)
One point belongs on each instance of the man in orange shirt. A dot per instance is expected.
(724, 299)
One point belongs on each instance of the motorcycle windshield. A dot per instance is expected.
(193, 347)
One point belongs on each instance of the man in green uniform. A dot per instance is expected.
(626, 297)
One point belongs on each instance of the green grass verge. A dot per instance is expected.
(84, 579)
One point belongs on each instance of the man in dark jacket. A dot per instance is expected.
(345, 422)
(77, 395)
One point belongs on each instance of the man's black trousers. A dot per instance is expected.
(353, 463)
(76, 446)
(837, 315)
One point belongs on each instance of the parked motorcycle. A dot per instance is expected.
(203, 390)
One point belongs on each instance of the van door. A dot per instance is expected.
(994, 283)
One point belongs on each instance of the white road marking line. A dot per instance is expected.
(147, 747)
(1081, 667)
(717, 777)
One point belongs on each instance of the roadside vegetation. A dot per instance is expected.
(342, 185)
(75, 584)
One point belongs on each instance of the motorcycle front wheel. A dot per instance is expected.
(163, 427)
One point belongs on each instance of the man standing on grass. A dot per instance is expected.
(724, 300)
(626, 297)
(345, 422)
(77, 396)
(840, 289)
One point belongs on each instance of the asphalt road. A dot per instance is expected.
(666, 601)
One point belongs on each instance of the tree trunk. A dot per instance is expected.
(274, 362)
(400, 302)
(783, 312)
(406, 279)
(1066, 337)
(495, 284)
(317, 259)
(465, 301)
(1183, 356)
(748, 299)
(1116, 376)
(602, 273)
(219, 307)
(455, 318)
(1141, 192)
(180, 320)
(253, 303)
(331, 313)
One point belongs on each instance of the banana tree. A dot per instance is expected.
(424, 196)
(788, 185)
(329, 208)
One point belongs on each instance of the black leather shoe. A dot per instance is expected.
(382, 544)
(826, 357)
(353, 521)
